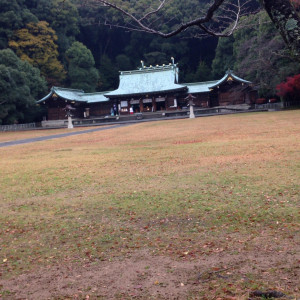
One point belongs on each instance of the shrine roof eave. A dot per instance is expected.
(226, 77)
(125, 95)
(45, 98)
(65, 94)
(75, 96)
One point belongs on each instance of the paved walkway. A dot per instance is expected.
(57, 136)
(113, 125)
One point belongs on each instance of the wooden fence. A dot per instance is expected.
(16, 127)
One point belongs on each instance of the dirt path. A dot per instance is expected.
(144, 276)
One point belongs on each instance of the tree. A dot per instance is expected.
(82, 73)
(13, 16)
(224, 58)
(255, 51)
(290, 89)
(108, 74)
(20, 86)
(286, 19)
(36, 43)
(62, 16)
(220, 14)
(123, 62)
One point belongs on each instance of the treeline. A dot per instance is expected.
(59, 42)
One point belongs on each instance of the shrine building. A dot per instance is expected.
(150, 89)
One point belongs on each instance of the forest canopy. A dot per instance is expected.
(65, 43)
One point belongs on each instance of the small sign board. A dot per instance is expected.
(124, 103)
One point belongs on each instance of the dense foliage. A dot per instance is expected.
(67, 43)
(20, 85)
(289, 88)
(36, 43)
(81, 68)
(257, 52)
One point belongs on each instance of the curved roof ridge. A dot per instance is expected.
(200, 82)
(229, 74)
(67, 89)
(96, 93)
(150, 69)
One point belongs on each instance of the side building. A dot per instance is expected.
(150, 89)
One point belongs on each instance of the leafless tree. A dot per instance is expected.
(220, 18)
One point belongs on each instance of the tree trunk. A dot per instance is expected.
(287, 21)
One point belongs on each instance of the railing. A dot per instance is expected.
(277, 105)
(16, 127)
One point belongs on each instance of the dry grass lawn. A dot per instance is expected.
(206, 208)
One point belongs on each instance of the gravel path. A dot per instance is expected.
(57, 136)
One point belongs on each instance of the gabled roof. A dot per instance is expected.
(75, 95)
(229, 76)
(200, 87)
(148, 81)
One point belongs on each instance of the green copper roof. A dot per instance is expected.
(148, 80)
(75, 95)
(94, 97)
(159, 79)
(200, 87)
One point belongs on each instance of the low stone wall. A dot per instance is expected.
(17, 127)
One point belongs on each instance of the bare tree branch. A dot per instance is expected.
(220, 19)
(232, 12)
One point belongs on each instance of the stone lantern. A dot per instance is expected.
(68, 109)
(191, 104)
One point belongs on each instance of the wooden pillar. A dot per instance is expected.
(141, 105)
(154, 103)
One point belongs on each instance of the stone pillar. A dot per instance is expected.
(70, 124)
(192, 115)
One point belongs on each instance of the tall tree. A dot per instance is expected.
(257, 53)
(13, 16)
(20, 85)
(63, 17)
(224, 58)
(108, 74)
(37, 44)
(220, 18)
(260, 51)
(286, 19)
(82, 73)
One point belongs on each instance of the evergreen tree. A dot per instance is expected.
(108, 74)
(123, 62)
(20, 85)
(13, 16)
(82, 73)
(224, 58)
(203, 72)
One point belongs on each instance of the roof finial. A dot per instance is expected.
(142, 62)
(173, 60)
(229, 71)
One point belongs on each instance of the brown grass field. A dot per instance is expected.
(204, 208)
